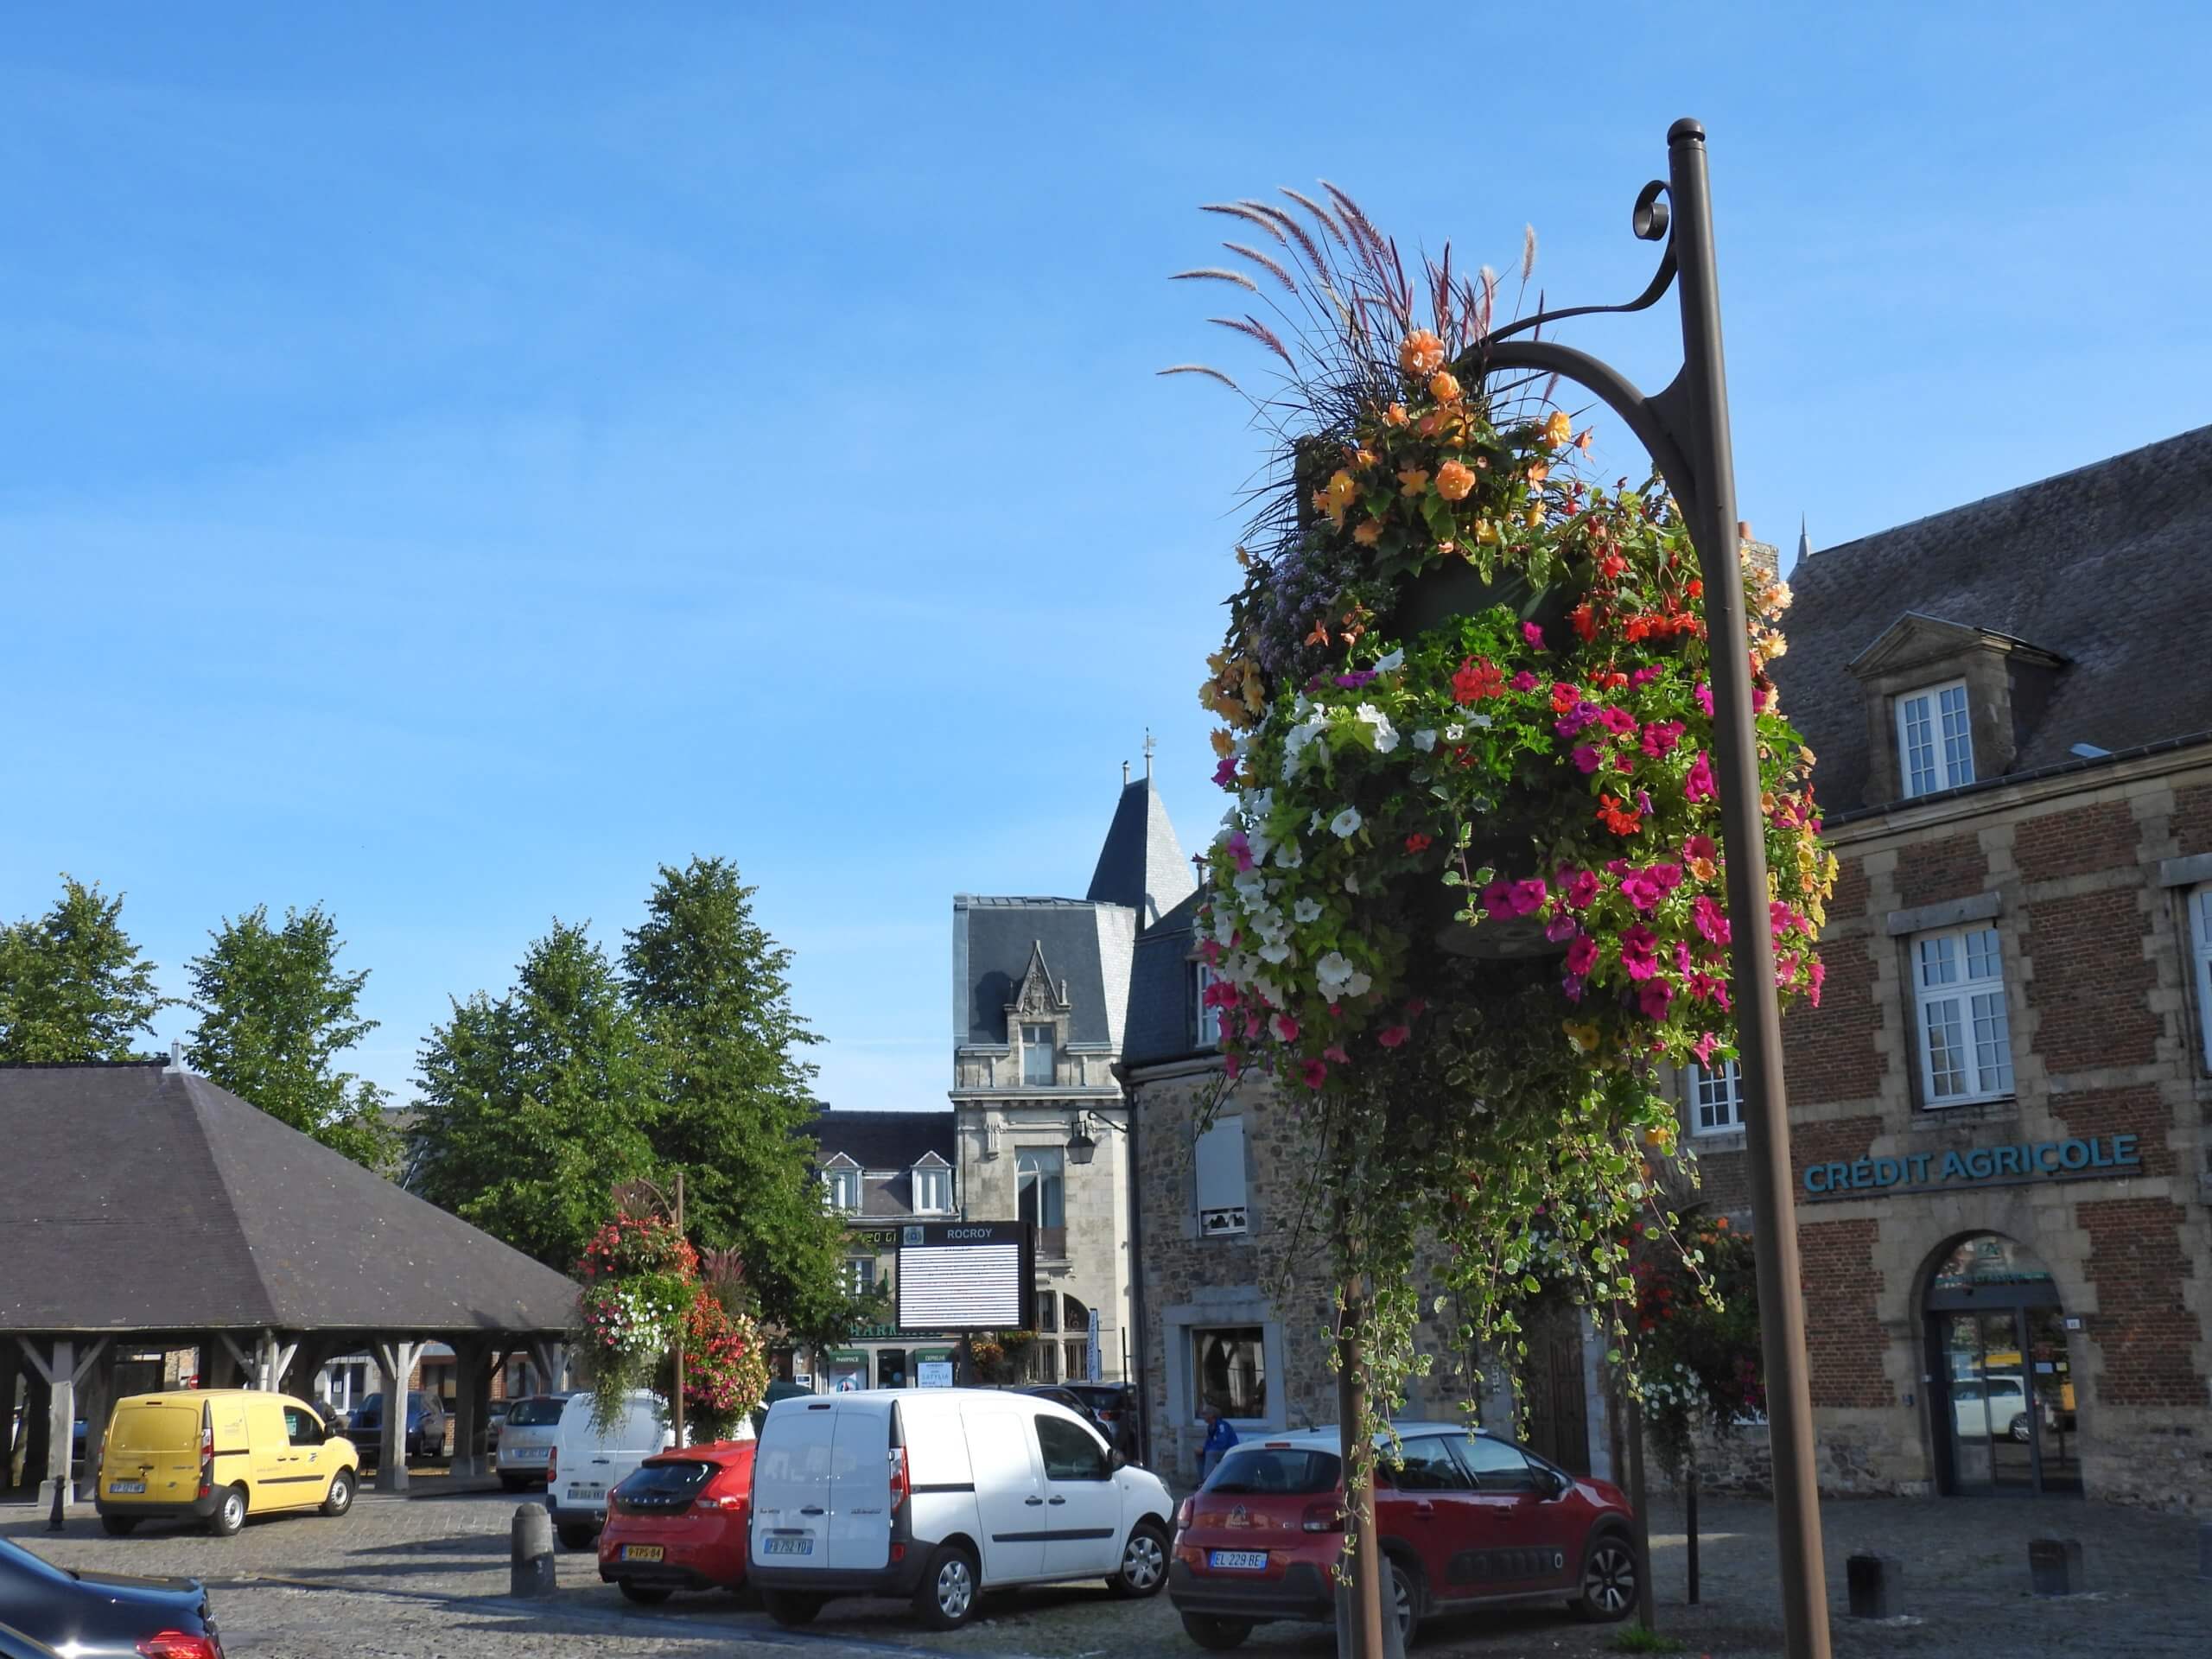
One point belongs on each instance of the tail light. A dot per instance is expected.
(1322, 1517)
(207, 1453)
(1183, 1516)
(176, 1644)
(552, 1466)
(900, 1486)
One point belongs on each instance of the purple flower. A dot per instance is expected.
(1528, 896)
(1698, 786)
(1576, 718)
(1586, 759)
(1581, 887)
(1570, 987)
(1618, 721)
(1704, 694)
(1524, 680)
(1561, 926)
(1582, 955)
(1240, 849)
(1226, 773)
(1653, 998)
(1533, 634)
(1643, 799)
(1356, 679)
(1639, 945)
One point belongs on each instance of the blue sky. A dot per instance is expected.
(453, 460)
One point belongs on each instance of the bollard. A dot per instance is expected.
(53, 1521)
(1394, 1645)
(1876, 1583)
(530, 1572)
(2055, 1565)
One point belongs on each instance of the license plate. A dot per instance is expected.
(776, 1546)
(131, 1486)
(641, 1552)
(587, 1492)
(526, 1455)
(1237, 1560)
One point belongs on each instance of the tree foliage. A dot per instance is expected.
(276, 1013)
(535, 1106)
(72, 986)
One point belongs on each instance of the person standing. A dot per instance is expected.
(1220, 1436)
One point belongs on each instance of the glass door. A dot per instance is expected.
(2010, 1412)
(2050, 1381)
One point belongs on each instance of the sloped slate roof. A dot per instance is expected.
(141, 1198)
(1161, 1023)
(1141, 865)
(2108, 566)
(1086, 945)
(886, 1139)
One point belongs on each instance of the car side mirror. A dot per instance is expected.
(1115, 1460)
(1555, 1482)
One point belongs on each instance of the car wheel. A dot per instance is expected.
(647, 1594)
(2020, 1428)
(118, 1526)
(1406, 1599)
(339, 1497)
(575, 1534)
(1608, 1580)
(1144, 1562)
(946, 1600)
(1218, 1634)
(789, 1608)
(230, 1513)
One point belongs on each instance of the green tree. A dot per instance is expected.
(72, 986)
(534, 1108)
(275, 1014)
(711, 989)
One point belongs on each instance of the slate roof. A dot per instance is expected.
(886, 1139)
(141, 1198)
(2108, 566)
(1160, 1013)
(1141, 865)
(1085, 944)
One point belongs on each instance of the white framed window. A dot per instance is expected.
(1209, 1022)
(2200, 933)
(932, 1191)
(860, 1274)
(1716, 1098)
(1219, 1157)
(1966, 1040)
(1935, 744)
(1040, 1189)
(1037, 1055)
(843, 1186)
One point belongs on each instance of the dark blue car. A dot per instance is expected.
(426, 1424)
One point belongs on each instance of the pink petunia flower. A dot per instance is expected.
(1533, 634)
(1586, 759)
(1639, 946)
(1391, 1036)
(1698, 786)
(1712, 920)
(1315, 1073)
(1286, 1028)
(1704, 694)
(1653, 998)
(1581, 954)
(1524, 680)
(1616, 720)
(1580, 888)
(1528, 896)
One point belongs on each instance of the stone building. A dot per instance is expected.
(879, 1170)
(1040, 1005)
(1998, 1110)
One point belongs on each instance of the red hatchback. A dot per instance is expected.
(1466, 1520)
(679, 1522)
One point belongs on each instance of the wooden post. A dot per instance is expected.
(60, 1421)
(1358, 1454)
(472, 1388)
(396, 1361)
(9, 1367)
(1644, 1599)
(1689, 1523)
(676, 1405)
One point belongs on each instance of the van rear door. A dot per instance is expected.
(153, 1452)
(859, 1484)
(791, 1485)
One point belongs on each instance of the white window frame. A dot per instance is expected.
(860, 1274)
(1716, 1098)
(1209, 1022)
(842, 1187)
(2200, 929)
(1942, 717)
(932, 1189)
(1048, 1174)
(1969, 1009)
(1049, 1048)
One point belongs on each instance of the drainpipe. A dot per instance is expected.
(1141, 1384)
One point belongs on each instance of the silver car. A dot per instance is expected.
(526, 1439)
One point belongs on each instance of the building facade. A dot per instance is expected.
(1998, 1110)
(879, 1171)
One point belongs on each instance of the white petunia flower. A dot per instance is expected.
(1313, 822)
(1386, 734)
(1396, 660)
(1358, 984)
(1351, 882)
(1454, 732)
(1346, 822)
(1277, 952)
(1305, 910)
(1424, 742)
(1332, 972)
(1289, 855)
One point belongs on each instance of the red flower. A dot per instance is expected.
(1477, 677)
(1417, 843)
(1619, 817)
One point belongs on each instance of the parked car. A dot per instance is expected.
(940, 1494)
(1061, 1394)
(1465, 1520)
(426, 1424)
(14, 1644)
(1983, 1407)
(778, 1389)
(216, 1456)
(1114, 1407)
(102, 1616)
(526, 1441)
(680, 1523)
(586, 1463)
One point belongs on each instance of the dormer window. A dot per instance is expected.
(1935, 744)
(1209, 1022)
(1039, 1057)
(932, 1189)
(841, 1182)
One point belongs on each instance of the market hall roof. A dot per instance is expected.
(2105, 569)
(142, 1198)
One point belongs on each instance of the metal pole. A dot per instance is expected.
(1358, 1451)
(1774, 1219)
(1647, 1600)
(676, 1405)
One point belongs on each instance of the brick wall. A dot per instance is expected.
(2145, 1333)
(2193, 819)
(2140, 1112)
(1844, 1340)
(2091, 982)
(1931, 871)
(2078, 843)
(1831, 1052)
(1845, 1140)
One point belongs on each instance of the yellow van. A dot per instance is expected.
(216, 1456)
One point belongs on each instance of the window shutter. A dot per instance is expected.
(1221, 1177)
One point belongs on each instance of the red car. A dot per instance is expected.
(1466, 1520)
(679, 1522)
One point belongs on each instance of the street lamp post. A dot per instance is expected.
(1685, 429)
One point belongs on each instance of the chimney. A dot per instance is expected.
(175, 1067)
(1125, 774)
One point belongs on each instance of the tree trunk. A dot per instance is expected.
(1644, 1599)
(1358, 1454)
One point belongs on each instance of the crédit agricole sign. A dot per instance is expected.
(2095, 1157)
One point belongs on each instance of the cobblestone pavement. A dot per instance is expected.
(426, 1578)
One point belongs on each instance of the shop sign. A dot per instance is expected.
(2079, 1160)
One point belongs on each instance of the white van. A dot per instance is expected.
(585, 1464)
(939, 1494)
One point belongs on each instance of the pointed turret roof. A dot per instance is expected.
(1141, 865)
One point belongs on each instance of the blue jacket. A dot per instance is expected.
(1219, 1437)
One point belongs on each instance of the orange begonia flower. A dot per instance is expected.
(1454, 481)
(1423, 353)
(1443, 387)
(1414, 479)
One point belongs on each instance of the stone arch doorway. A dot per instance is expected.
(2000, 1380)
